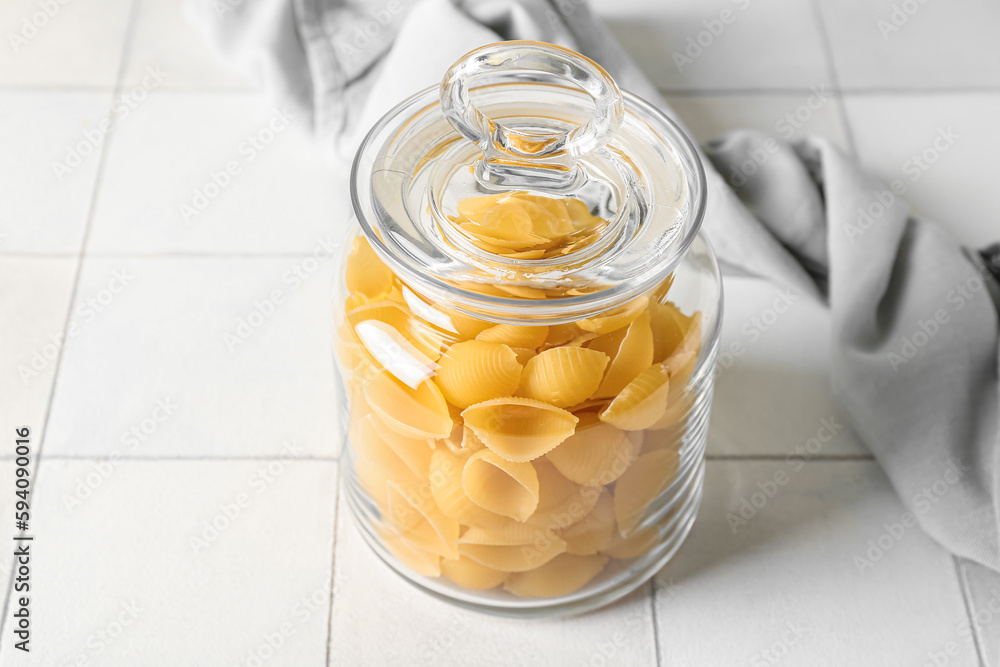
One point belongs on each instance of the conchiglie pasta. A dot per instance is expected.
(595, 455)
(595, 531)
(634, 545)
(420, 523)
(681, 361)
(652, 473)
(631, 352)
(511, 534)
(562, 575)
(365, 273)
(470, 574)
(563, 376)
(416, 332)
(642, 403)
(501, 486)
(669, 326)
(519, 429)
(616, 318)
(475, 371)
(449, 494)
(515, 336)
(413, 413)
(516, 558)
(422, 562)
(561, 502)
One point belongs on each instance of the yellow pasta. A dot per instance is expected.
(595, 455)
(516, 558)
(650, 476)
(501, 486)
(417, 333)
(631, 352)
(449, 494)
(423, 563)
(475, 371)
(466, 326)
(413, 413)
(561, 502)
(563, 376)
(681, 361)
(365, 273)
(519, 429)
(669, 328)
(634, 545)
(391, 350)
(420, 523)
(414, 453)
(560, 334)
(642, 403)
(524, 355)
(511, 534)
(616, 318)
(515, 336)
(595, 531)
(562, 575)
(470, 574)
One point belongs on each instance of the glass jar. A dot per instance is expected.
(526, 330)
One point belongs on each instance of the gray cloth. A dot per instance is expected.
(915, 342)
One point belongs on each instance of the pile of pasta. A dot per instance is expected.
(515, 456)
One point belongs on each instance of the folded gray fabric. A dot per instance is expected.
(914, 316)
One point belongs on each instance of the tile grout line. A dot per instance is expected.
(834, 78)
(126, 47)
(830, 458)
(967, 604)
(333, 572)
(655, 620)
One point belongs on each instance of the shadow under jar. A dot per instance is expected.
(526, 328)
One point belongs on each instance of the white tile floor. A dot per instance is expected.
(130, 570)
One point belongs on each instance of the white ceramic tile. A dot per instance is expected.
(982, 590)
(172, 341)
(34, 296)
(763, 45)
(894, 44)
(53, 43)
(787, 588)
(52, 148)
(380, 619)
(133, 575)
(168, 169)
(165, 39)
(948, 183)
(783, 116)
(772, 391)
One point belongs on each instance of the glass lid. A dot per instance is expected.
(527, 188)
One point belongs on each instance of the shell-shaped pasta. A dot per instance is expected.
(560, 334)
(348, 348)
(423, 563)
(454, 440)
(581, 217)
(595, 531)
(652, 473)
(419, 334)
(449, 494)
(595, 455)
(634, 545)
(561, 502)
(365, 272)
(631, 352)
(563, 376)
(512, 534)
(371, 445)
(466, 326)
(475, 371)
(470, 574)
(562, 575)
(515, 336)
(679, 402)
(391, 350)
(413, 413)
(519, 429)
(501, 486)
(616, 318)
(682, 360)
(669, 328)
(517, 558)
(524, 355)
(642, 402)
(420, 523)
(415, 453)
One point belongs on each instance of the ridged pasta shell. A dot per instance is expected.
(519, 429)
(391, 350)
(595, 531)
(365, 273)
(561, 502)
(669, 326)
(475, 371)
(616, 318)
(595, 455)
(449, 494)
(417, 332)
(512, 534)
(469, 574)
(501, 486)
(642, 403)
(524, 355)
(466, 326)
(420, 561)
(415, 453)
(563, 376)
(420, 523)
(560, 334)
(562, 575)
(680, 363)
(513, 558)
(631, 352)
(514, 335)
(650, 476)
(413, 413)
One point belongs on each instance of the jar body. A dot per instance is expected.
(524, 470)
